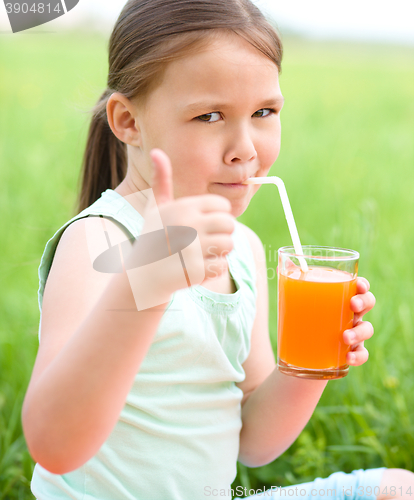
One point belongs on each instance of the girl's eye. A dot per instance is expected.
(209, 117)
(263, 112)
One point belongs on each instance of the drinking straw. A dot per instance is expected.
(288, 213)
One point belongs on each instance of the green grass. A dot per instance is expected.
(347, 157)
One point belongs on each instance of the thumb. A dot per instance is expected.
(161, 177)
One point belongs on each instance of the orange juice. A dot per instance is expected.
(314, 311)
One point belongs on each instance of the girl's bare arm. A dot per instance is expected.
(93, 338)
(276, 407)
(90, 351)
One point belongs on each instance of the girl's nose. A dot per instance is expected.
(241, 149)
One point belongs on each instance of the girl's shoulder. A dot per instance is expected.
(71, 290)
(72, 286)
(251, 235)
(68, 283)
(255, 242)
(110, 215)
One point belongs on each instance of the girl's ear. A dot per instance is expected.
(122, 115)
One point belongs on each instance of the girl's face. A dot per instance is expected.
(217, 116)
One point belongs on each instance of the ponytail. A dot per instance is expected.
(104, 162)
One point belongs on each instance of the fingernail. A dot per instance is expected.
(351, 336)
(352, 358)
(359, 304)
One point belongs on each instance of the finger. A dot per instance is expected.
(219, 246)
(362, 303)
(161, 182)
(362, 285)
(212, 203)
(362, 331)
(219, 223)
(357, 357)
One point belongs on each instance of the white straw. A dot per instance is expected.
(288, 213)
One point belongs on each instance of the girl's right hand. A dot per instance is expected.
(210, 215)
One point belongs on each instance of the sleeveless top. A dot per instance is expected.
(177, 437)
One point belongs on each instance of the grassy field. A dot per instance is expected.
(347, 161)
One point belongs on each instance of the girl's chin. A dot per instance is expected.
(238, 208)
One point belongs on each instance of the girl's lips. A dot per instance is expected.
(234, 186)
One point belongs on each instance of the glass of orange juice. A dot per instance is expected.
(314, 311)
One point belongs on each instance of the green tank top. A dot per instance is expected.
(177, 437)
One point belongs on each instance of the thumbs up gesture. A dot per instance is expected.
(208, 216)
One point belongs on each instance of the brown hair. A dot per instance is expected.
(147, 36)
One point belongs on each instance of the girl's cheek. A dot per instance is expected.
(269, 145)
(269, 154)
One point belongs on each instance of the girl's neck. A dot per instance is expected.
(133, 195)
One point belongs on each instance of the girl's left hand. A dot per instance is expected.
(361, 303)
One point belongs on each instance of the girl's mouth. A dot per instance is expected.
(233, 186)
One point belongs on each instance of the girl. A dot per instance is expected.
(160, 402)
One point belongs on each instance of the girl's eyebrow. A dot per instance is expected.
(202, 105)
(276, 101)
